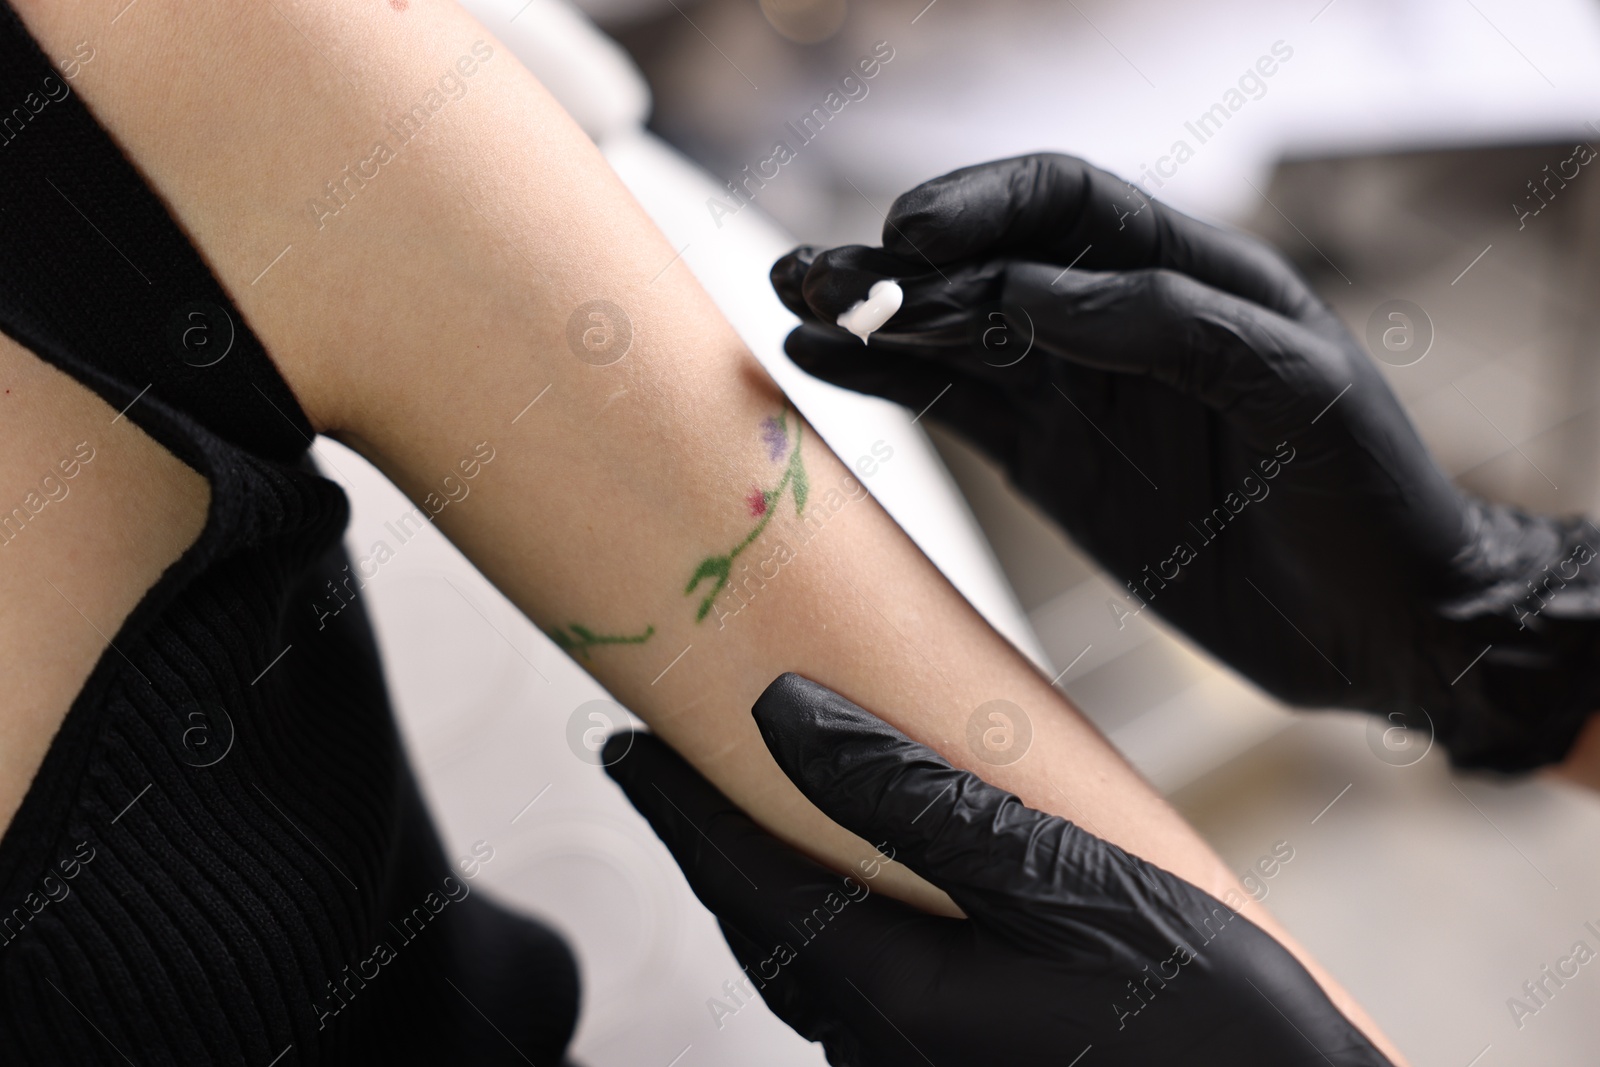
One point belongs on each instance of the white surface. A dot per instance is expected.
(1433, 897)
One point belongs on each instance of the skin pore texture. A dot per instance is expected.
(411, 241)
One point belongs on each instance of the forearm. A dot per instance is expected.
(425, 311)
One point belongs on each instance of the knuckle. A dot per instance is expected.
(1165, 291)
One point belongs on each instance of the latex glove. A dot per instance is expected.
(1071, 943)
(1205, 427)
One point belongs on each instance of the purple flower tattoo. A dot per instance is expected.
(777, 440)
(761, 505)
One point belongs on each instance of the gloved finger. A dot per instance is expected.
(746, 877)
(1267, 375)
(979, 410)
(1061, 210)
(952, 314)
(818, 286)
(788, 276)
(837, 278)
(1008, 866)
(855, 269)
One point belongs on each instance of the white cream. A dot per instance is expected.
(883, 300)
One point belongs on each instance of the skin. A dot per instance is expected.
(79, 566)
(422, 319)
(1582, 765)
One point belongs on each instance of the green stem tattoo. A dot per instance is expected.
(762, 503)
(581, 638)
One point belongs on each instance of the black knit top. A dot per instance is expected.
(224, 857)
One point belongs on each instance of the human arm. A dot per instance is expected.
(1072, 944)
(428, 316)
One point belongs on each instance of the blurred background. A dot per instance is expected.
(1400, 150)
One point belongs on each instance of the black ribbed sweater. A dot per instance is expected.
(288, 902)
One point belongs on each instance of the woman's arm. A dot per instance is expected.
(418, 234)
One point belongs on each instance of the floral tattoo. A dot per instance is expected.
(761, 504)
(580, 639)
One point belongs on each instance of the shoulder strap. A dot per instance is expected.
(97, 278)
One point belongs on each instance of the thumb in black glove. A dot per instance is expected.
(1071, 945)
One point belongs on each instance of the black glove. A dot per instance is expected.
(1205, 427)
(1071, 944)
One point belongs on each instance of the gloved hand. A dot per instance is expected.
(1204, 426)
(1071, 943)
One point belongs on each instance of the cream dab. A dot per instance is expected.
(882, 301)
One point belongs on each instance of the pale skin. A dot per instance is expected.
(420, 320)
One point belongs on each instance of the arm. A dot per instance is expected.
(1063, 925)
(423, 316)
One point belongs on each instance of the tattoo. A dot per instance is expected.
(761, 504)
(581, 638)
